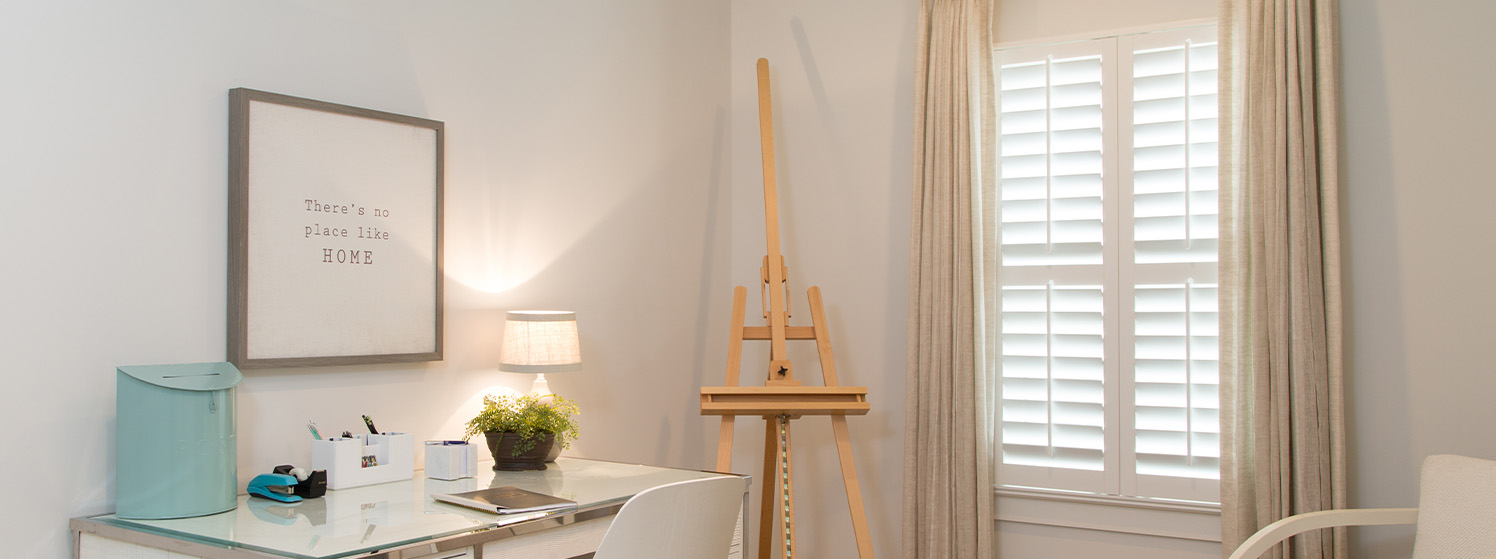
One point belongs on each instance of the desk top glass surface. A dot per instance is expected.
(366, 519)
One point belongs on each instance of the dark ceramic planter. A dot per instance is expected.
(501, 446)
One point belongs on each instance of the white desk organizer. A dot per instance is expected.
(344, 459)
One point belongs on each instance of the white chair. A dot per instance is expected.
(1456, 514)
(685, 520)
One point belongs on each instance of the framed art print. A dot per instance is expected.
(335, 234)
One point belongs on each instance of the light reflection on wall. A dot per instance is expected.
(512, 233)
(508, 220)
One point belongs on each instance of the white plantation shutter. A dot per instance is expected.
(1107, 248)
(1054, 128)
(1173, 414)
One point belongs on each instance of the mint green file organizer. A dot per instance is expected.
(176, 449)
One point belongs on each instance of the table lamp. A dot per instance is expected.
(540, 342)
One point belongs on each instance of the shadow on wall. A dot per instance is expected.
(1379, 440)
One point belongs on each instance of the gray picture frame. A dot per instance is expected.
(276, 321)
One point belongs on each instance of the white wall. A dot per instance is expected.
(587, 169)
(842, 80)
(1417, 201)
(1031, 20)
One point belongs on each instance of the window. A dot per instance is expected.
(1107, 273)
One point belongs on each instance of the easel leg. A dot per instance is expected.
(734, 360)
(724, 444)
(839, 428)
(854, 493)
(766, 528)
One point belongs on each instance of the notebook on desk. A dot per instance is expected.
(505, 500)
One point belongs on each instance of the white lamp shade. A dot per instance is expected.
(540, 342)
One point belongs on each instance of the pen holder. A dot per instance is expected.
(365, 459)
(451, 461)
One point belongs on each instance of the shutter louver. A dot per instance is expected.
(1177, 401)
(1174, 154)
(1053, 408)
(1052, 162)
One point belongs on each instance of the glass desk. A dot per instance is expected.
(396, 520)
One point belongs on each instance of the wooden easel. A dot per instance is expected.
(782, 398)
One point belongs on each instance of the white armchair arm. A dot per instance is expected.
(1276, 532)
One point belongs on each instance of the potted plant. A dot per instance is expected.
(521, 429)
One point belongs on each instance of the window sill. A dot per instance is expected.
(1129, 515)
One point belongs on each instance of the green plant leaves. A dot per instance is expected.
(530, 416)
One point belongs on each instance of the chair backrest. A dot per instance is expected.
(686, 520)
(1456, 508)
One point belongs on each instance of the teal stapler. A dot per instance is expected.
(274, 512)
(274, 486)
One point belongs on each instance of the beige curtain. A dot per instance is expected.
(947, 466)
(1282, 417)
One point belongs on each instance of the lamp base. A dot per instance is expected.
(540, 387)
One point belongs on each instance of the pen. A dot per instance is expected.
(370, 423)
(312, 426)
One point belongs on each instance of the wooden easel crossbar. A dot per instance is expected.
(782, 398)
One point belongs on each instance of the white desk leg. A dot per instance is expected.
(738, 551)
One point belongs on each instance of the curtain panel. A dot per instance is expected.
(1282, 406)
(947, 491)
